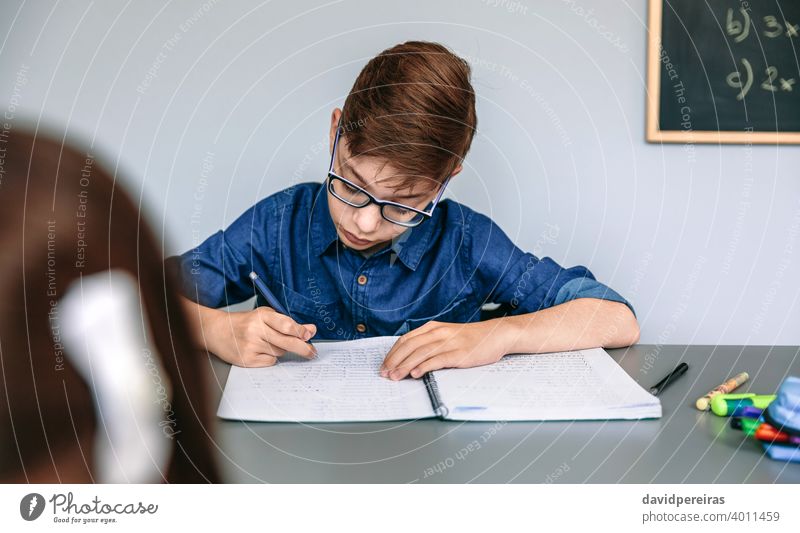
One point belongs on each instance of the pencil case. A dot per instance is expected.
(784, 412)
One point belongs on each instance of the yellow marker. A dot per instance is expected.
(729, 386)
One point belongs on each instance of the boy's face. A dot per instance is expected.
(364, 228)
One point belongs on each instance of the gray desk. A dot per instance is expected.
(685, 446)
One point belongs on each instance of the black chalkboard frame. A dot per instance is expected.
(655, 134)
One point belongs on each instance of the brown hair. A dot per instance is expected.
(413, 105)
(62, 217)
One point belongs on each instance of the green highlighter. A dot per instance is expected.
(726, 404)
(748, 425)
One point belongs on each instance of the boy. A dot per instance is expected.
(373, 251)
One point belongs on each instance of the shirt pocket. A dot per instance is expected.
(455, 312)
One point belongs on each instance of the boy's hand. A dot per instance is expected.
(258, 337)
(443, 345)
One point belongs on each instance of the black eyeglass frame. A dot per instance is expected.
(380, 203)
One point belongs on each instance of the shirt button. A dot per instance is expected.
(362, 279)
(361, 328)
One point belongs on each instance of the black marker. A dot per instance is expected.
(680, 370)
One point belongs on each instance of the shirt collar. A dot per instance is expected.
(414, 242)
(409, 247)
(323, 232)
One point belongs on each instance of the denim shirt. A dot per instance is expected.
(445, 269)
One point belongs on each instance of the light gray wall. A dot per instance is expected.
(702, 239)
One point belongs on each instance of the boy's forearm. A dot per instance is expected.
(200, 319)
(574, 325)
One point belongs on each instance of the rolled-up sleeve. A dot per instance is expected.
(589, 288)
(502, 273)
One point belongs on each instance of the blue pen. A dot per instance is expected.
(267, 294)
(271, 300)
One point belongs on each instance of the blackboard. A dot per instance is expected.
(724, 71)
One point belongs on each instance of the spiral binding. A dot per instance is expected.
(433, 393)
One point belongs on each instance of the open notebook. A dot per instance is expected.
(343, 385)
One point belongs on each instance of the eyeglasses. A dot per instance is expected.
(355, 196)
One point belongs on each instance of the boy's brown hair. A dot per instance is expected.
(413, 106)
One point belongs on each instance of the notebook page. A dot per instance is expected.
(341, 385)
(586, 384)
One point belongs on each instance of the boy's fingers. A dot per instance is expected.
(414, 359)
(401, 350)
(424, 329)
(416, 332)
(264, 359)
(284, 324)
(256, 361)
(257, 347)
(291, 343)
(445, 360)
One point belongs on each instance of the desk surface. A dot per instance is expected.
(684, 446)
